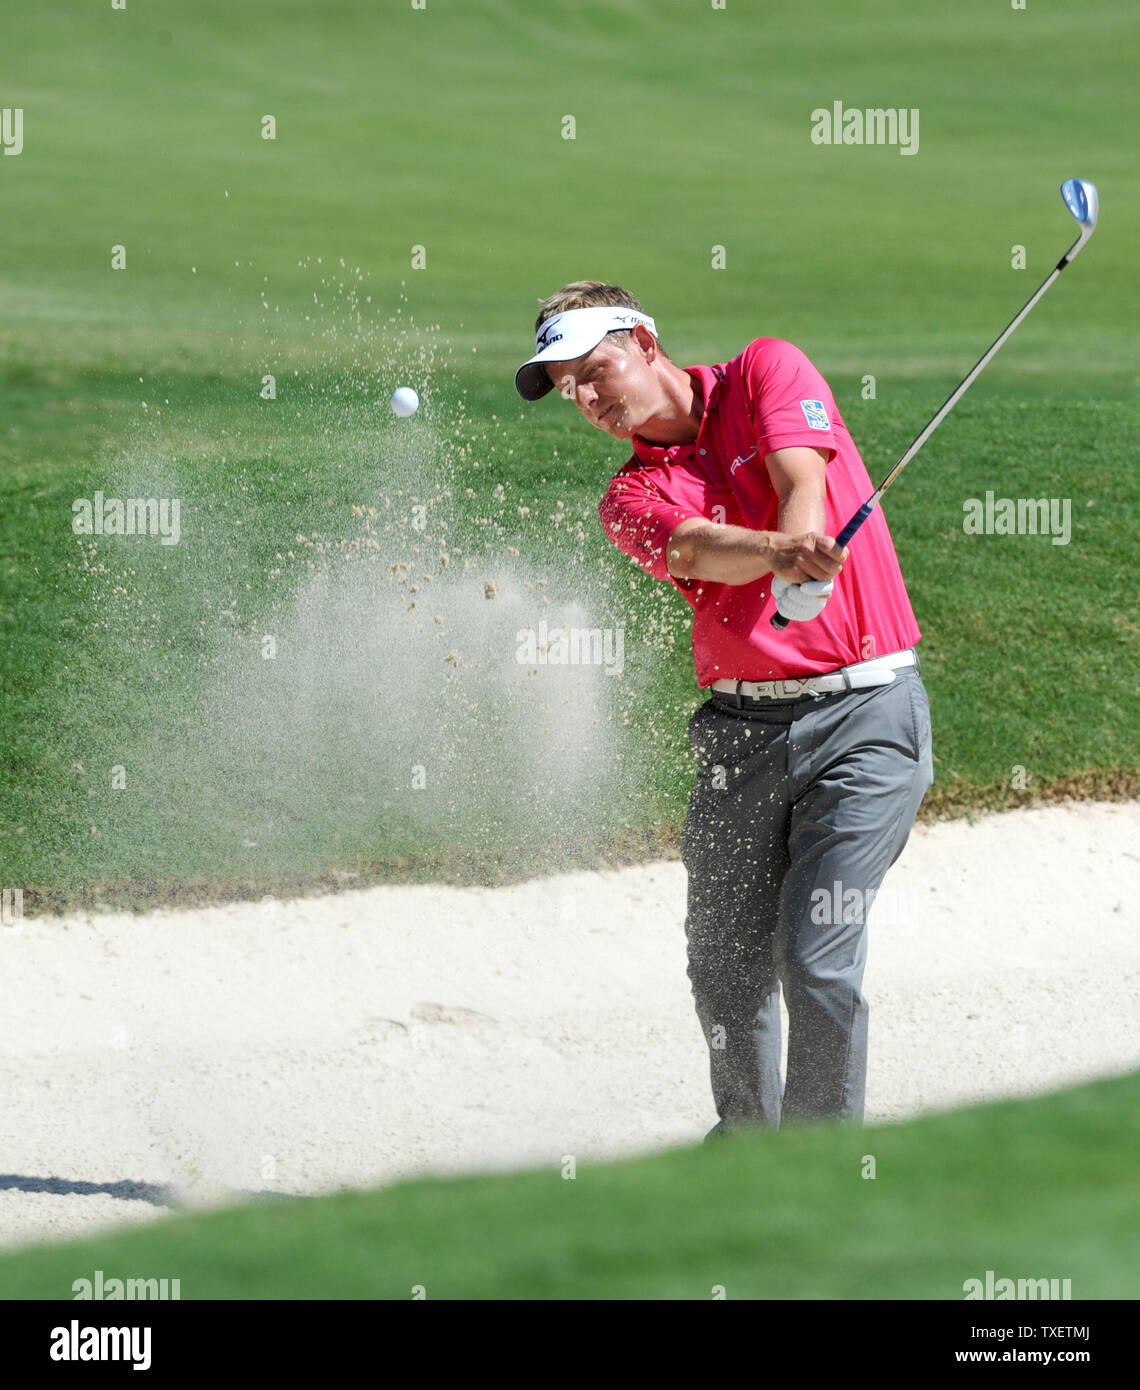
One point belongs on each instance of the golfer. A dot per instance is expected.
(813, 747)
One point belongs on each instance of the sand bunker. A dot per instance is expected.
(181, 1058)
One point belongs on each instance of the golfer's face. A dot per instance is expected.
(608, 385)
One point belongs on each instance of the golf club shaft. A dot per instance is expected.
(948, 405)
(845, 536)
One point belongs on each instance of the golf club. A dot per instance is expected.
(1083, 202)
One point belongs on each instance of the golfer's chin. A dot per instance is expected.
(617, 425)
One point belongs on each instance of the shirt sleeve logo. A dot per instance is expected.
(815, 415)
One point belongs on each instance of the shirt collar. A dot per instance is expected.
(710, 380)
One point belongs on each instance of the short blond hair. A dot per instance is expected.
(589, 294)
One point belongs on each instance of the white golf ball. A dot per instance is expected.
(405, 402)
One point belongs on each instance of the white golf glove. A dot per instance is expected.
(801, 602)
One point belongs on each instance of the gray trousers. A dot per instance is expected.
(798, 810)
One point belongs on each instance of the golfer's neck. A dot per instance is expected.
(680, 419)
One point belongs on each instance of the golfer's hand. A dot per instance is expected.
(801, 602)
(800, 558)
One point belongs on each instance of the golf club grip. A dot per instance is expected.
(779, 622)
(844, 537)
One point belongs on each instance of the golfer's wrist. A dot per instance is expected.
(767, 553)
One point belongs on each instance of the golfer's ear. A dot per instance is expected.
(644, 340)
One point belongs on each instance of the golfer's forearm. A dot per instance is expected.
(722, 555)
(802, 511)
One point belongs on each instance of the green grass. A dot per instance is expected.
(441, 129)
(1039, 1188)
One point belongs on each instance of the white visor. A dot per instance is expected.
(569, 335)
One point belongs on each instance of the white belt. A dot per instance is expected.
(880, 670)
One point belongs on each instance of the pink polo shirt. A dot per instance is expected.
(769, 397)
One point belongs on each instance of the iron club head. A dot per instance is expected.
(1083, 201)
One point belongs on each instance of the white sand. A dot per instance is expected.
(355, 1039)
